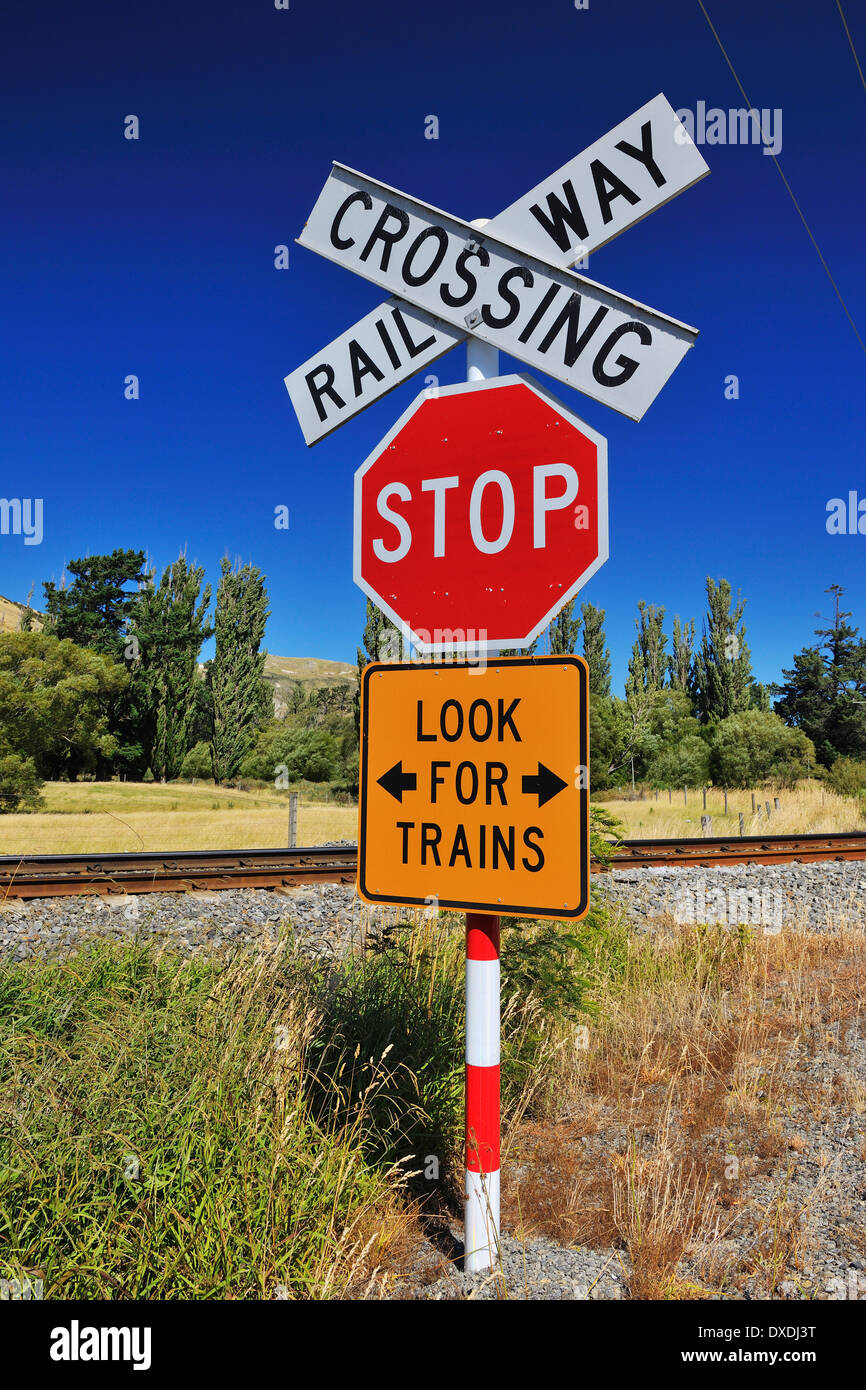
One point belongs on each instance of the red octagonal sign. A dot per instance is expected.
(480, 514)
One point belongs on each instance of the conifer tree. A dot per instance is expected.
(96, 608)
(824, 693)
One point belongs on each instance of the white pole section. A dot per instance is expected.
(482, 359)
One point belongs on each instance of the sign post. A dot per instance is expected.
(477, 518)
(483, 1017)
(474, 795)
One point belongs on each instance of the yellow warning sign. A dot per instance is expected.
(474, 787)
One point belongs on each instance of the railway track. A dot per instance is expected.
(52, 875)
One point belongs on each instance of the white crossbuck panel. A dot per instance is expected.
(635, 168)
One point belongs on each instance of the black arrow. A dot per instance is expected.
(396, 781)
(545, 784)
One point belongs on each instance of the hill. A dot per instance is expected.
(285, 673)
(11, 614)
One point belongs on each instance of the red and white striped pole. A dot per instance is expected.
(481, 1207)
(481, 1203)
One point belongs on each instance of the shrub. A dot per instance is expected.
(754, 747)
(306, 753)
(198, 763)
(847, 777)
(19, 784)
(683, 764)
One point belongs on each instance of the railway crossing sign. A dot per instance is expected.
(475, 486)
(474, 788)
(508, 285)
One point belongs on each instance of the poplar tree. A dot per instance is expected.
(169, 627)
(564, 631)
(722, 670)
(380, 642)
(242, 698)
(595, 651)
(682, 655)
(648, 662)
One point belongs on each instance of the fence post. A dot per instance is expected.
(685, 796)
(293, 819)
(706, 826)
(742, 823)
(726, 801)
(753, 803)
(767, 804)
(704, 790)
(777, 803)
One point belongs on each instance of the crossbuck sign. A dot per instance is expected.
(509, 285)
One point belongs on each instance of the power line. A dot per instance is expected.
(800, 212)
(851, 42)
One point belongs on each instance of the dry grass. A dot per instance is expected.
(101, 817)
(691, 1088)
(810, 807)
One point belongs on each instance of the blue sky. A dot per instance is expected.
(156, 257)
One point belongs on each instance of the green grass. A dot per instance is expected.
(223, 1127)
(158, 1136)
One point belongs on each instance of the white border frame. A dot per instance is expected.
(489, 644)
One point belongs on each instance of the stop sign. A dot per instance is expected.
(480, 514)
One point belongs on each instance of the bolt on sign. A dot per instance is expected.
(474, 788)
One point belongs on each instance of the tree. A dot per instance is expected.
(564, 631)
(609, 731)
(381, 642)
(95, 610)
(55, 700)
(824, 693)
(680, 659)
(672, 750)
(19, 782)
(313, 754)
(753, 747)
(596, 653)
(722, 671)
(170, 625)
(647, 664)
(242, 699)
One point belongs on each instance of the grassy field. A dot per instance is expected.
(809, 807)
(102, 817)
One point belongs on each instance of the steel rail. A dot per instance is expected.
(51, 875)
